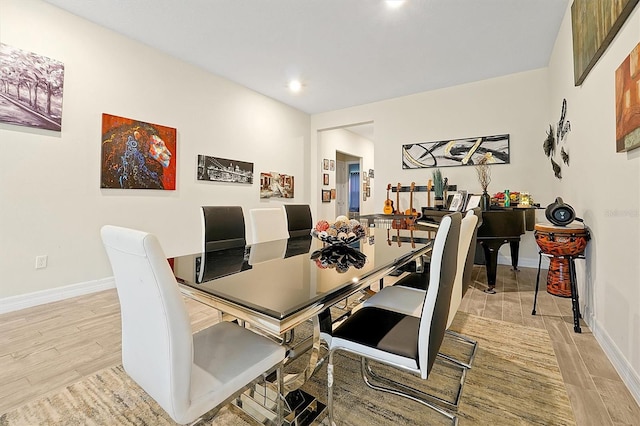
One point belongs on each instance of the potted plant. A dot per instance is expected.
(438, 188)
(484, 177)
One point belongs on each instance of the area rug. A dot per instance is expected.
(515, 380)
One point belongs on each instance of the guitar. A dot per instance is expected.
(412, 214)
(398, 223)
(388, 204)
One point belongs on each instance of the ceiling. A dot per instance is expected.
(345, 52)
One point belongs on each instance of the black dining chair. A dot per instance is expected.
(403, 341)
(299, 221)
(223, 227)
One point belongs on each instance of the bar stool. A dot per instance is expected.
(563, 245)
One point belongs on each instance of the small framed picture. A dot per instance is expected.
(368, 191)
(473, 202)
(326, 196)
(370, 173)
(325, 178)
(456, 203)
(365, 178)
(333, 194)
(333, 165)
(325, 164)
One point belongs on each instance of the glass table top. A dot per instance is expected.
(280, 278)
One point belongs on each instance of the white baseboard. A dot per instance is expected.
(15, 303)
(620, 363)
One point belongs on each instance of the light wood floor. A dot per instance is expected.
(48, 347)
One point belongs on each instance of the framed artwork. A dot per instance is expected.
(325, 164)
(33, 88)
(325, 178)
(456, 203)
(223, 170)
(594, 24)
(473, 202)
(457, 152)
(628, 102)
(333, 194)
(370, 173)
(326, 196)
(332, 166)
(276, 184)
(368, 191)
(137, 155)
(365, 178)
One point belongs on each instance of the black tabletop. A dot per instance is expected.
(279, 278)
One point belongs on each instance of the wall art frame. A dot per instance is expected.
(278, 185)
(326, 196)
(594, 24)
(33, 88)
(137, 154)
(628, 102)
(218, 169)
(456, 152)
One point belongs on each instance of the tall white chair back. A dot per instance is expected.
(268, 224)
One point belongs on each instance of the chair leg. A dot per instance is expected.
(535, 295)
(400, 389)
(463, 338)
(330, 389)
(280, 397)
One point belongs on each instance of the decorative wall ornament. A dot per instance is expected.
(628, 102)
(551, 144)
(31, 89)
(223, 170)
(594, 24)
(137, 155)
(276, 184)
(456, 152)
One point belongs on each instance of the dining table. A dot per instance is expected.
(279, 285)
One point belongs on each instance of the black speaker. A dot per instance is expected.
(559, 213)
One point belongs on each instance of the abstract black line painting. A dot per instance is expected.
(456, 152)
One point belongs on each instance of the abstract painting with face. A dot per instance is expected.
(137, 155)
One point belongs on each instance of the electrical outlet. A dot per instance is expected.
(41, 262)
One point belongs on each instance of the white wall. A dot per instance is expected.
(602, 186)
(348, 143)
(516, 104)
(50, 197)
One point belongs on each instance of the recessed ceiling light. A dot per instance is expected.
(394, 4)
(295, 86)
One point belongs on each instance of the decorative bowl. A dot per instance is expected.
(342, 231)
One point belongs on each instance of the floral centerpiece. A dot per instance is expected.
(342, 231)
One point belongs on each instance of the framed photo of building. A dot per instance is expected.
(224, 170)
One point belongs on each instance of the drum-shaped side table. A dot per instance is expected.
(562, 244)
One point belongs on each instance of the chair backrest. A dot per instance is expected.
(467, 228)
(468, 267)
(222, 227)
(268, 224)
(299, 221)
(435, 309)
(157, 344)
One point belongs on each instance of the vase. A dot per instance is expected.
(439, 203)
(485, 201)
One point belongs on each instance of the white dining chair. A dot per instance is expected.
(187, 375)
(268, 224)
